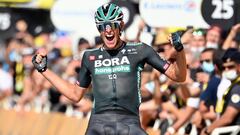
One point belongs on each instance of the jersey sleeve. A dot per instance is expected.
(84, 76)
(235, 97)
(153, 59)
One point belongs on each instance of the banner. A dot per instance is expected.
(183, 13)
(76, 16)
(129, 11)
(15, 1)
(219, 12)
(35, 4)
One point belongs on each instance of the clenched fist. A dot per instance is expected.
(39, 60)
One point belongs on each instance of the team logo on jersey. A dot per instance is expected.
(114, 65)
(132, 51)
(100, 56)
(123, 51)
(112, 62)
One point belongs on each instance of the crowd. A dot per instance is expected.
(209, 98)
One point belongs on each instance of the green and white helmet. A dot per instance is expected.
(108, 13)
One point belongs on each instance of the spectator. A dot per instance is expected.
(230, 40)
(230, 114)
(213, 37)
(6, 83)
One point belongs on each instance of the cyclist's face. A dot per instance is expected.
(110, 33)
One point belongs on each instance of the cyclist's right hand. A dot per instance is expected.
(39, 60)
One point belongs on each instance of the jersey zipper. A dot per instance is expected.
(113, 84)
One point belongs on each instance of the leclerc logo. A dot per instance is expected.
(190, 6)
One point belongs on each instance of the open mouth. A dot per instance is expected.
(109, 37)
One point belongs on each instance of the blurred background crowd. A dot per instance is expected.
(213, 65)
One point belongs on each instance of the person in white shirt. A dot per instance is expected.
(6, 83)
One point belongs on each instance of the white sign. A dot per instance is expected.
(76, 16)
(172, 13)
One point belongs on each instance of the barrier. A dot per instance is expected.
(234, 130)
(32, 123)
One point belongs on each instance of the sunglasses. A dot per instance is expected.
(207, 60)
(198, 33)
(229, 67)
(103, 26)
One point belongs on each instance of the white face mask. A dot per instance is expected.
(230, 74)
(212, 45)
(197, 49)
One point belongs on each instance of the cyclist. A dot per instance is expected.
(114, 71)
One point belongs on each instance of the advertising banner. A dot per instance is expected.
(35, 4)
(76, 16)
(15, 1)
(183, 13)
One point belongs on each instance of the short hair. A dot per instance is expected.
(208, 50)
(82, 41)
(231, 54)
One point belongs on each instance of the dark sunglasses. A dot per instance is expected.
(198, 33)
(103, 26)
(207, 60)
(160, 49)
(229, 67)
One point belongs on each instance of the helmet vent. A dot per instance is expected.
(113, 12)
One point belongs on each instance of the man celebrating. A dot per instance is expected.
(114, 70)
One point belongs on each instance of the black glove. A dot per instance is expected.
(176, 41)
(41, 67)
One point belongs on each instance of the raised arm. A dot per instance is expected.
(72, 91)
(177, 71)
(230, 38)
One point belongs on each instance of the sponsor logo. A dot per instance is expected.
(91, 58)
(114, 65)
(115, 69)
(100, 56)
(112, 62)
(132, 51)
(123, 51)
(188, 6)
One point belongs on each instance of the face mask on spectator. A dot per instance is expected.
(207, 67)
(197, 49)
(14, 56)
(230, 74)
(212, 45)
